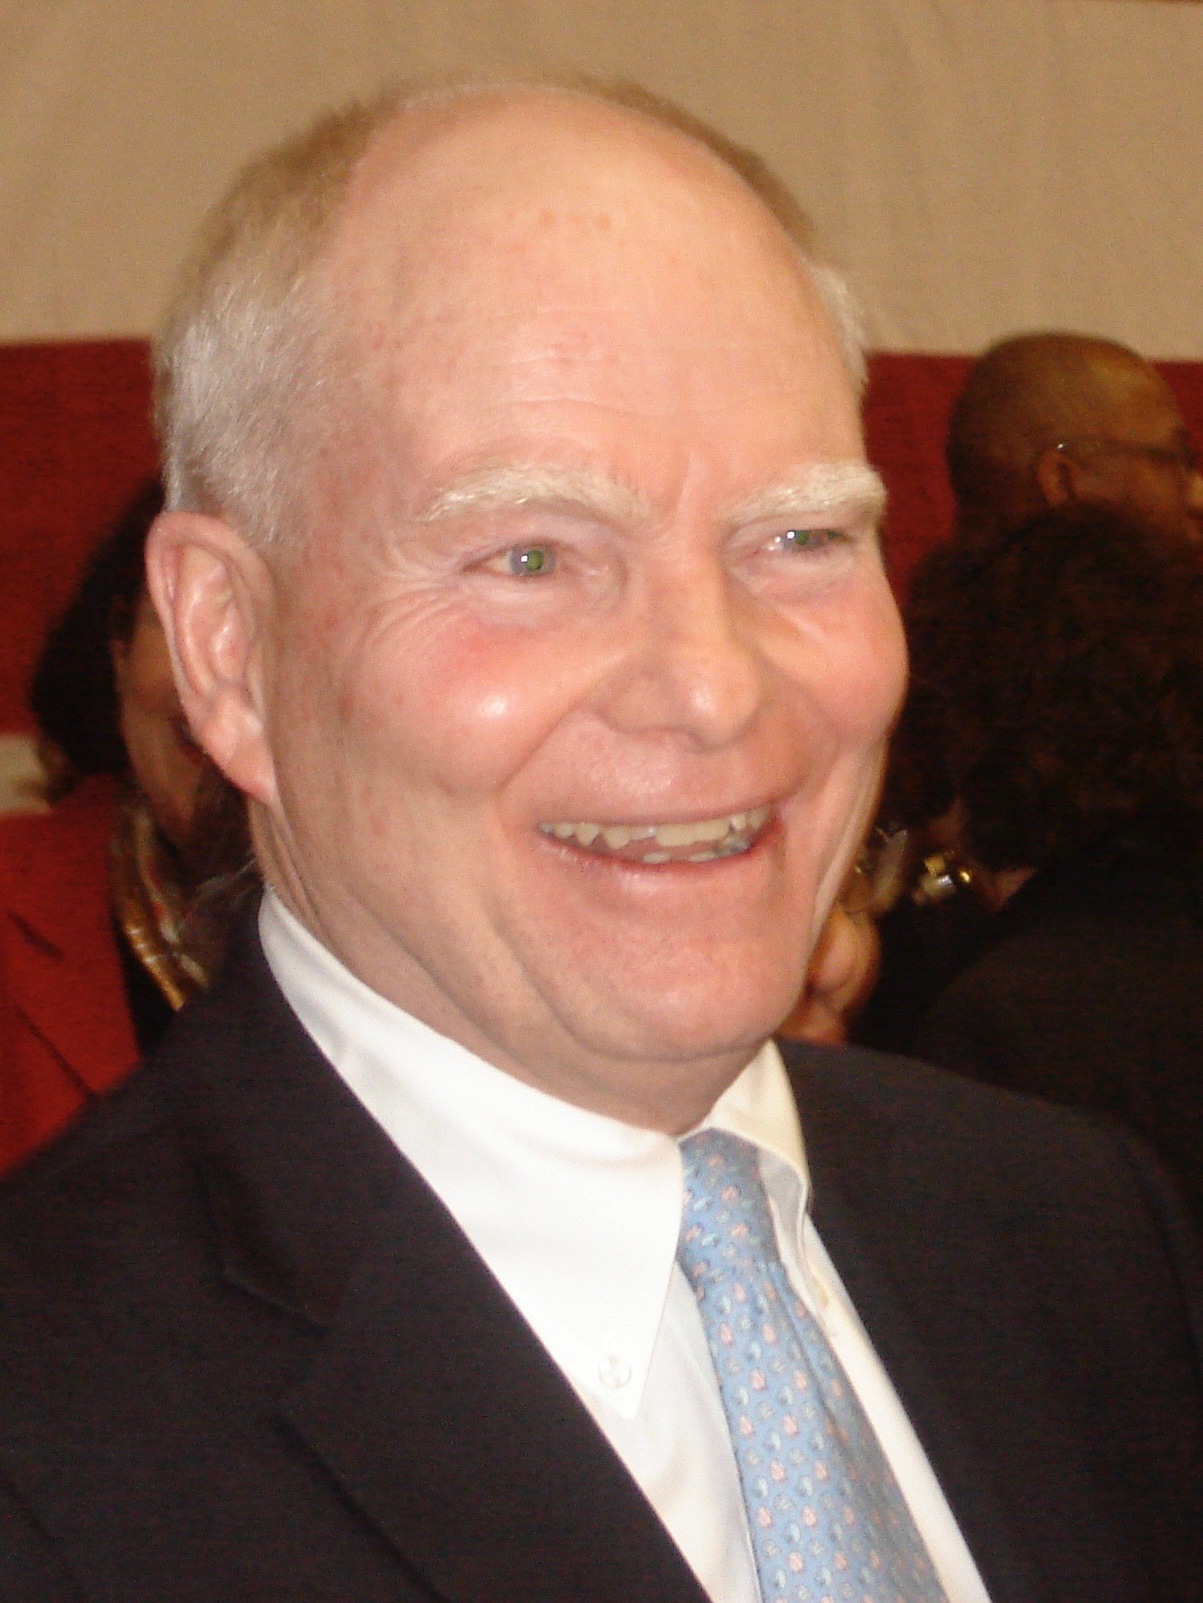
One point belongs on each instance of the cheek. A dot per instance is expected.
(482, 706)
(863, 661)
(150, 689)
(148, 728)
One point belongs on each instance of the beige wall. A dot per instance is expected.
(981, 165)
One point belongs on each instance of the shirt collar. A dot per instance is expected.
(586, 1242)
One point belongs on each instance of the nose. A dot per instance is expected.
(691, 663)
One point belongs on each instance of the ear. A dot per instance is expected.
(215, 596)
(1059, 477)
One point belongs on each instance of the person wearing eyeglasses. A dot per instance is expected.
(1060, 420)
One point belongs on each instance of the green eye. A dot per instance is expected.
(527, 561)
(808, 539)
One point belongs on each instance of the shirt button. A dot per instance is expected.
(613, 1373)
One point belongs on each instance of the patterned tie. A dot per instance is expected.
(828, 1521)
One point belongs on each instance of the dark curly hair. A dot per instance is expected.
(1056, 691)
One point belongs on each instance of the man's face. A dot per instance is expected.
(1144, 464)
(577, 701)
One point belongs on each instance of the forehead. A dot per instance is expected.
(551, 254)
(520, 172)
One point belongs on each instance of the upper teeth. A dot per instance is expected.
(706, 831)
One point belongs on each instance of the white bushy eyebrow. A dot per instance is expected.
(821, 490)
(510, 487)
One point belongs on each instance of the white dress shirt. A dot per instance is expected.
(577, 1215)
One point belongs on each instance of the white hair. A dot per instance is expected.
(252, 360)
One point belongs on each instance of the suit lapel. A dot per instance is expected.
(440, 1414)
(426, 1396)
(854, 1159)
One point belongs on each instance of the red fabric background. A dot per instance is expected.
(77, 441)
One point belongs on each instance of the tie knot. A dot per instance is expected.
(725, 1217)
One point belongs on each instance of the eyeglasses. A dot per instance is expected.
(1182, 456)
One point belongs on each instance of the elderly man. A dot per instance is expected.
(1051, 420)
(523, 572)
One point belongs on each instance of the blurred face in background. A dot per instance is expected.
(1139, 458)
(164, 759)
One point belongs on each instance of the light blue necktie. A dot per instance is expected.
(828, 1521)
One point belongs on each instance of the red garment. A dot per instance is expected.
(66, 1035)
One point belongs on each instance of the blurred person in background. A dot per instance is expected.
(1044, 421)
(104, 930)
(1052, 743)
(1060, 420)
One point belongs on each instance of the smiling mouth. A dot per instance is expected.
(702, 841)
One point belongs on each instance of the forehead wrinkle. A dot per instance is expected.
(822, 487)
(503, 488)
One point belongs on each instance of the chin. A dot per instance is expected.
(686, 1025)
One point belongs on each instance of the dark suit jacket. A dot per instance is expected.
(65, 1031)
(1088, 989)
(247, 1355)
